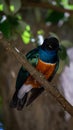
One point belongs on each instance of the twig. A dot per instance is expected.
(47, 5)
(40, 78)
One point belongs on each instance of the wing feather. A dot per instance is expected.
(32, 57)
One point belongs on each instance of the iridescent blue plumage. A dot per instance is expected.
(38, 57)
(47, 56)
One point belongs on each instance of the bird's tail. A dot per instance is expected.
(18, 103)
(27, 99)
(13, 102)
(22, 102)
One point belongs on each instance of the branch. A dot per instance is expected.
(40, 78)
(47, 5)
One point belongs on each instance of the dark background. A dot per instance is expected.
(45, 113)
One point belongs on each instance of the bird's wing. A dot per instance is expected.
(21, 77)
(32, 57)
(56, 68)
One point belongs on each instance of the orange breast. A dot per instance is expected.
(45, 68)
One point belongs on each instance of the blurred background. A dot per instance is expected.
(25, 24)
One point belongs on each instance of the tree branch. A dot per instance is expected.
(39, 77)
(47, 5)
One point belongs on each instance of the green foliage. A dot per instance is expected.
(1, 7)
(5, 27)
(8, 26)
(62, 2)
(26, 35)
(67, 44)
(21, 27)
(66, 4)
(40, 32)
(12, 8)
(62, 54)
(54, 16)
(61, 66)
(13, 26)
(4, 7)
(15, 5)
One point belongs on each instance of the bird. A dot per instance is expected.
(46, 60)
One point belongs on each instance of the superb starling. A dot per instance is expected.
(45, 59)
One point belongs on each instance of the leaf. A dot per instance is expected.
(13, 20)
(19, 16)
(70, 7)
(12, 8)
(15, 5)
(21, 26)
(61, 66)
(64, 2)
(62, 54)
(25, 37)
(4, 7)
(8, 31)
(27, 27)
(66, 43)
(5, 27)
(40, 32)
(54, 17)
(1, 7)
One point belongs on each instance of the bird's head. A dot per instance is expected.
(51, 43)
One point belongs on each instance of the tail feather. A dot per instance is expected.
(22, 102)
(13, 102)
(18, 103)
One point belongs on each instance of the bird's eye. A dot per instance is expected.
(50, 46)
